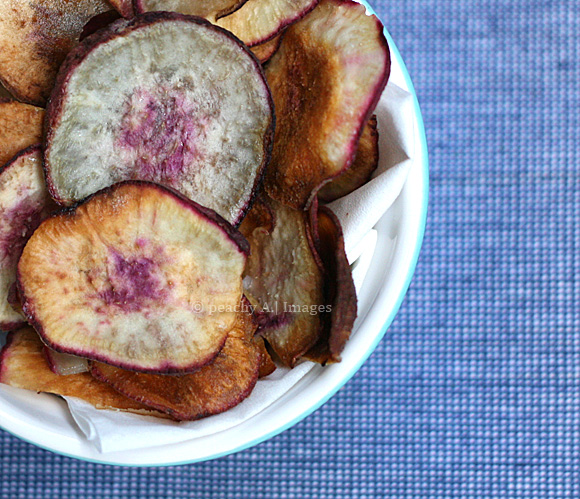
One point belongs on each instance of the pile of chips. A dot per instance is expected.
(164, 239)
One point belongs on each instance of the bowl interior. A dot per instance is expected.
(44, 420)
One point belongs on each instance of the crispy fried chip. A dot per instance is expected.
(211, 10)
(22, 365)
(266, 50)
(326, 79)
(258, 21)
(267, 366)
(137, 276)
(35, 37)
(282, 279)
(20, 127)
(198, 117)
(363, 166)
(339, 290)
(215, 388)
(24, 203)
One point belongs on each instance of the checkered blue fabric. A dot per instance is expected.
(475, 390)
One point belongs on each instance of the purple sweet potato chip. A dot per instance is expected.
(326, 79)
(361, 169)
(283, 279)
(339, 290)
(198, 117)
(215, 388)
(137, 276)
(24, 203)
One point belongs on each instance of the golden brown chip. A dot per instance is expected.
(215, 388)
(326, 79)
(363, 166)
(340, 293)
(23, 365)
(35, 37)
(283, 279)
(265, 51)
(267, 366)
(20, 127)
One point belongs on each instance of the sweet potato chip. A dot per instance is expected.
(211, 10)
(326, 79)
(22, 365)
(197, 117)
(282, 279)
(215, 388)
(20, 127)
(24, 203)
(258, 21)
(137, 276)
(363, 166)
(265, 51)
(35, 37)
(267, 365)
(339, 290)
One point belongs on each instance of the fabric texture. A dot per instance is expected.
(475, 390)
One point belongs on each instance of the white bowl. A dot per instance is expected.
(45, 421)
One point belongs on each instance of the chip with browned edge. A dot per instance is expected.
(267, 366)
(326, 79)
(24, 203)
(339, 290)
(22, 365)
(20, 127)
(361, 169)
(282, 279)
(137, 276)
(35, 37)
(258, 21)
(215, 388)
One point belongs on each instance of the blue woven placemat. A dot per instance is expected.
(475, 390)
